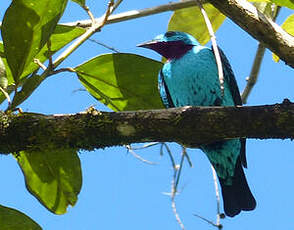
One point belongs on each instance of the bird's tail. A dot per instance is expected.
(237, 197)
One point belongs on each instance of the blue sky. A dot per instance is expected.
(121, 192)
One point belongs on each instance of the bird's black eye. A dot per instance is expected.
(170, 34)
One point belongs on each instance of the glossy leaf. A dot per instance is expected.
(54, 177)
(196, 25)
(266, 8)
(80, 2)
(288, 26)
(8, 71)
(27, 26)
(122, 81)
(12, 219)
(259, 0)
(286, 3)
(27, 89)
(61, 37)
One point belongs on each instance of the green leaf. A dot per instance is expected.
(286, 3)
(61, 36)
(8, 71)
(266, 8)
(26, 28)
(11, 219)
(196, 25)
(122, 81)
(27, 89)
(80, 2)
(259, 0)
(288, 26)
(54, 177)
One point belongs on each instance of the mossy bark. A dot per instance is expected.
(190, 126)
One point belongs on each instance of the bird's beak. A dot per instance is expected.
(147, 44)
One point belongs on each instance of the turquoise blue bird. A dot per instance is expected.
(190, 77)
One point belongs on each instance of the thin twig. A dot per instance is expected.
(108, 12)
(69, 69)
(218, 215)
(251, 80)
(170, 155)
(214, 46)
(104, 45)
(130, 150)
(97, 26)
(92, 18)
(146, 146)
(133, 14)
(187, 156)
(174, 208)
(208, 221)
(179, 171)
(6, 95)
(116, 4)
(40, 64)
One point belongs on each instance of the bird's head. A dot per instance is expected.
(172, 44)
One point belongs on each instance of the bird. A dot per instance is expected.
(189, 77)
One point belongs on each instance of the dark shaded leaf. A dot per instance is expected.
(54, 177)
(11, 219)
(27, 26)
(27, 89)
(122, 81)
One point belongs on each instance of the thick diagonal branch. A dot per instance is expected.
(258, 26)
(187, 125)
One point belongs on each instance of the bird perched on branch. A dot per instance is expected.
(190, 77)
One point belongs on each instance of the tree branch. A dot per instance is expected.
(241, 12)
(259, 26)
(191, 126)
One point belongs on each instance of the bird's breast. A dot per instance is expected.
(193, 79)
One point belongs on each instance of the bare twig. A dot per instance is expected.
(69, 69)
(108, 12)
(86, 8)
(214, 46)
(146, 146)
(169, 154)
(174, 208)
(104, 45)
(97, 26)
(40, 64)
(6, 95)
(208, 221)
(116, 4)
(184, 149)
(131, 151)
(251, 80)
(218, 215)
(132, 14)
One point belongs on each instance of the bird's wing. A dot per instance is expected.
(164, 92)
(229, 77)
